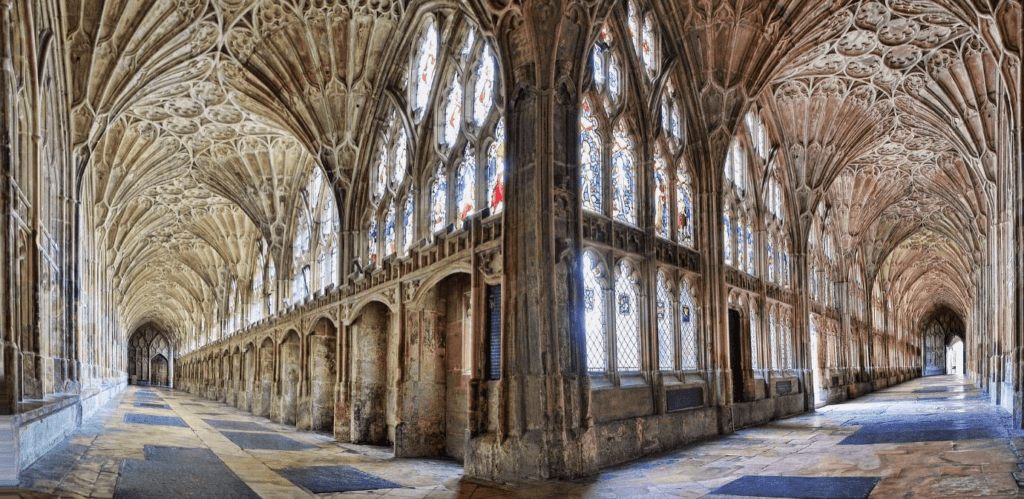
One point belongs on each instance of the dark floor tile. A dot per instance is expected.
(152, 405)
(154, 420)
(799, 486)
(223, 424)
(321, 479)
(174, 472)
(265, 441)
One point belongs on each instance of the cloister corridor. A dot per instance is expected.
(930, 437)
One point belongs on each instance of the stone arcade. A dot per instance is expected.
(537, 237)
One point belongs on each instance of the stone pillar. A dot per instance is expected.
(545, 428)
(801, 322)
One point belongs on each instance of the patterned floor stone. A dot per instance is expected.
(321, 479)
(151, 405)
(806, 446)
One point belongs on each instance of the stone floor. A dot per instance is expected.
(931, 437)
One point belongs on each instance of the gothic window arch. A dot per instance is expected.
(627, 317)
(595, 284)
(272, 288)
(445, 150)
(315, 248)
(754, 322)
(256, 307)
(666, 323)
(301, 255)
(688, 326)
(737, 211)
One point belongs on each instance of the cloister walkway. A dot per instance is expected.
(930, 437)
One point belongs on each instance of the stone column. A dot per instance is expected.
(545, 429)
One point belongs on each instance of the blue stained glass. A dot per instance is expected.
(727, 243)
(624, 306)
(408, 229)
(785, 268)
(684, 208)
(598, 57)
(771, 260)
(438, 200)
(389, 230)
(750, 251)
(623, 176)
(741, 253)
(590, 161)
(371, 242)
(614, 83)
(401, 158)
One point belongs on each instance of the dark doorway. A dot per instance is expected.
(159, 371)
(736, 355)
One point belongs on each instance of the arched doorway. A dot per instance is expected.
(144, 346)
(942, 331)
(158, 370)
(955, 356)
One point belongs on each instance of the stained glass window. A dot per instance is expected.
(425, 66)
(590, 160)
(627, 322)
(753, 338)
(315, 186)
(382, 173)
(321, 265)
(726, 233)
(453, 112)
(401, 156)
(775, 341)
(465, 184)
(371, 242)
(407, 231)
(257, 291)
(594, 313)
(648, 48)
(483, 91)
(662, 219)
(614, 80)
(623, 176)
(771, 257)
(750, 250)
(666, 333)
(496, 169)
(687, 327)
(741, 247)
(272, 283)
(389, 230)
(684, 208)
(438, 200)
(633, 24)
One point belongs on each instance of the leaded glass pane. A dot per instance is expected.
(726, 233)
(371, 242)
(633, 24)
(382, 174)
(627, 321)
(753, 339)
(407, 231)
(425, 67)
(590, 160)
(594, 314)
(401, 159)
(741, 250)
(438, 200)
(465, 184)
(750, 251)
(623, 176)
(771, 257)
(773, 327)
(614, 78)
(647, 47)
(496, 169)
(661, 195)
(389, 230)
(684, 208)
(321, 265)
(687, 327)
(666, 333)
(483, 91)
(272, 282)
(453, 112)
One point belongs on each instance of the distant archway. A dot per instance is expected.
(955, 356)
(149, 350)
(938, 331)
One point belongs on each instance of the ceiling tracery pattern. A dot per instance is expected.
(198, 123)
